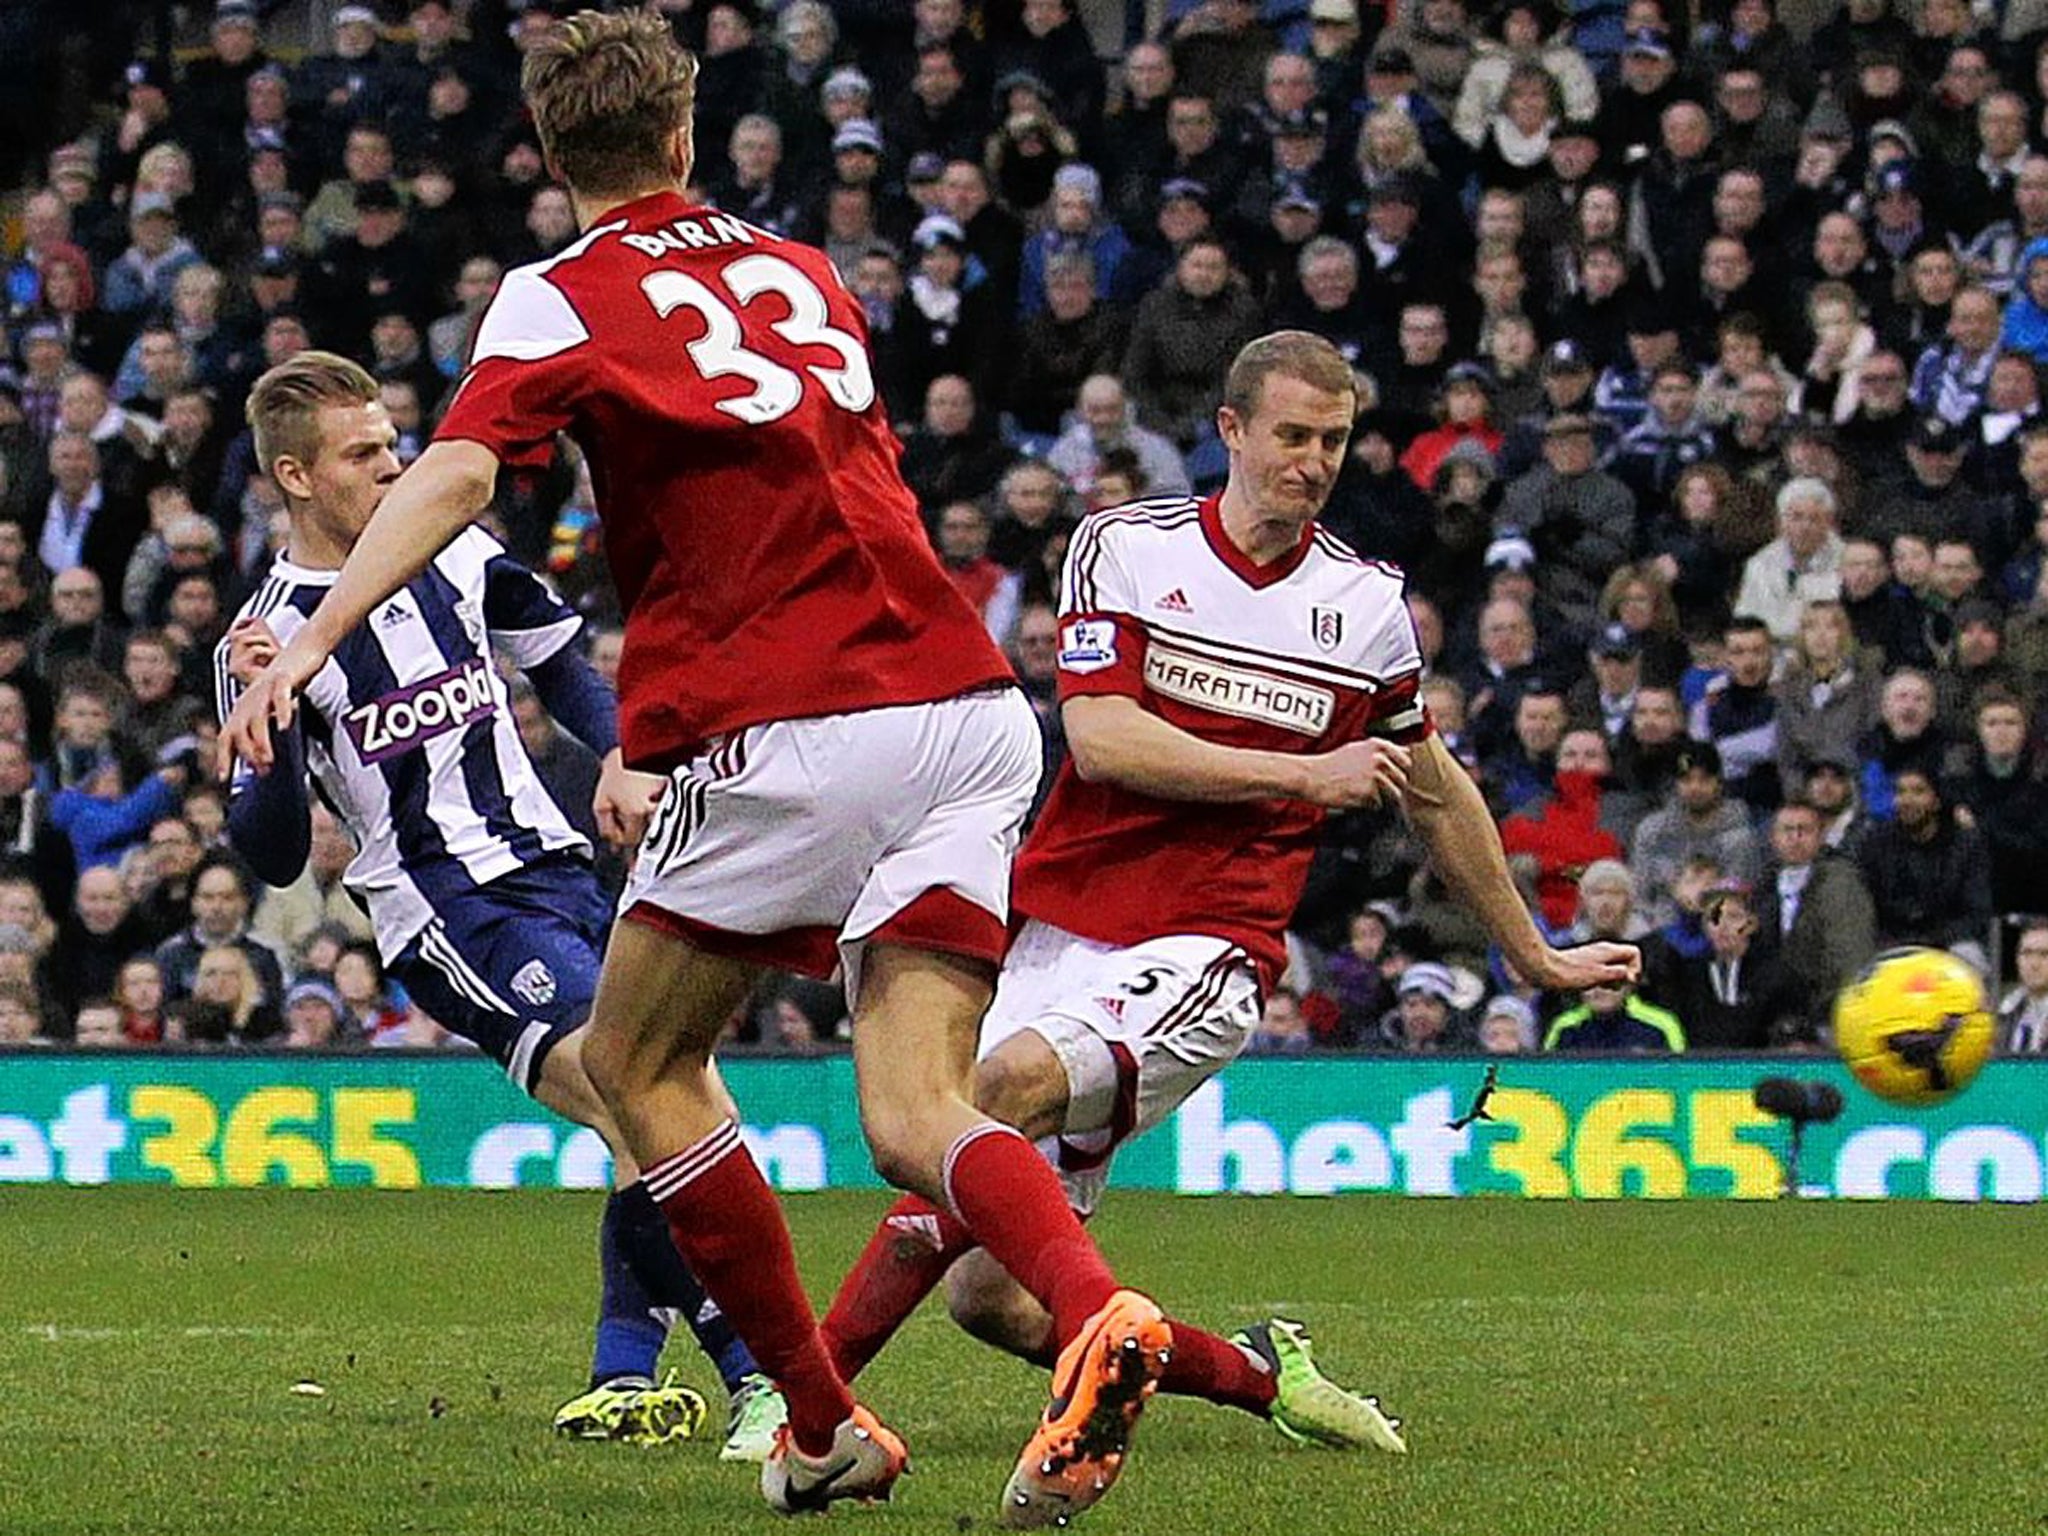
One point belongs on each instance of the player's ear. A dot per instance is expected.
(1229, 427)
(291, 477)
(681, 154)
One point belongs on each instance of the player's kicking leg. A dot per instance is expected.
(660, 1006)
(914, 1031)
(1085, 1047)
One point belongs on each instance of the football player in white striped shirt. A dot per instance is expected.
(482, 894)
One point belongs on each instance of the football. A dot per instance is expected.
(1914, 1027)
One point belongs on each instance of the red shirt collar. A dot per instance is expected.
(1247, 570)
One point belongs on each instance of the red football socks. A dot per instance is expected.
(1013, 1203)
(1205, 1366)
(908, 1255)
(730, 1231)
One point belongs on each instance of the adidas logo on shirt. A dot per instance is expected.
(1175, 601)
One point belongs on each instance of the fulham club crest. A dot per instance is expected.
(1327, 625)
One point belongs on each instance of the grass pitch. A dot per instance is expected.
(1562, 1368)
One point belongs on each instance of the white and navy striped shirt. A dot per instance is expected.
(409, 731)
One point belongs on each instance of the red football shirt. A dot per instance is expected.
(1301, 655)
(770, 559)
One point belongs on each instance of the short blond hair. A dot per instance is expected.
(1299, 355)
(607, 94)
(284, 408)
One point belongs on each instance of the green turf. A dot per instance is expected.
(1563, 1368)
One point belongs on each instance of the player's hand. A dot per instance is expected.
(1585, 965)
(268, 703)
(624, 801)
(252, 646)
(1357, 773)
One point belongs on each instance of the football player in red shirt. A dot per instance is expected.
(827, 759)
(1228, 672)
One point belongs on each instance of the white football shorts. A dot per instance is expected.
(796, 843)
(1138, 1029)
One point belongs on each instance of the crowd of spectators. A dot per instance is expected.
(1700, 367)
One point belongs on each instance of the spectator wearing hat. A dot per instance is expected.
(1077, 225)
(139, 280)
(1650, 340)
(1900, 221)
(147, 120)
(1463, 406)
(1050, 43)
(353, 81)
(1566, 377)
(1028, 146)
(214, 94)
(1579, 519)
(1404, 263)
(1424, 1017)
(1699, 823)
(1802, 564)
(1950, 377)
(1630, 109)
(1605, 699)
(1507, 1026)
(953, 320)
(1185, 334)
(313, 1017)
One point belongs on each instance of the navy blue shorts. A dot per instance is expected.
(513, 965)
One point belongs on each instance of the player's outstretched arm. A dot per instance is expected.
(1447, 810)
(439, 496)
(1115, 741)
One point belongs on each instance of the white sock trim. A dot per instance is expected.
(966, 1140)
(671, 1175)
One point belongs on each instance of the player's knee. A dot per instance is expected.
(903, 1153)
(1024, 1089)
